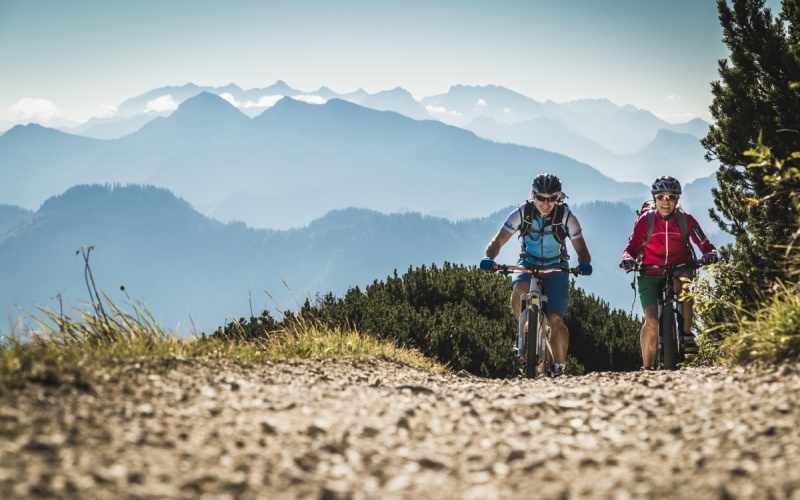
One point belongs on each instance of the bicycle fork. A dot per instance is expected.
(532, 297)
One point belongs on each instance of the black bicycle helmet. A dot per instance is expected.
(547, 184)
(666, 183)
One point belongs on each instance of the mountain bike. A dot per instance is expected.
(536, 352)
(670, 347)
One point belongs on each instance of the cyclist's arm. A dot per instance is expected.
(500, 239)
(698, 236)
(509, 227)
(576, 237)
(579, 244)
(634, 248)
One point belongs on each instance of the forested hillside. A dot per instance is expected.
(199, 273)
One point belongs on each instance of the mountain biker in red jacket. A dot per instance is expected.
(666, 245)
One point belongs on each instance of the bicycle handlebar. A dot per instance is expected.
(692, 264)
(508, 269)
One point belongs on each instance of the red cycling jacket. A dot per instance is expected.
(666, 245)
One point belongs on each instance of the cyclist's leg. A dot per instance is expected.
(648, 336)
(559, 337)
(688, 305)
(520, 285)
(556, 287)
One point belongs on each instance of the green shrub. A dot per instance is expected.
(599, 338)
(461, 317)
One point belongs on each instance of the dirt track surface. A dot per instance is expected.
(374, 429)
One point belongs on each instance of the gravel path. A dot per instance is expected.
(375, 429)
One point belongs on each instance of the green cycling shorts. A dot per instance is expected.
(648, 285)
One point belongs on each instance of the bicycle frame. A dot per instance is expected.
(537, 355)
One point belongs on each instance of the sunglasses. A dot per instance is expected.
(545, 199)
(670, 197)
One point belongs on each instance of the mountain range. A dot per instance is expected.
(196, 208)
(620, 141)
(296, 161)
(195, 273)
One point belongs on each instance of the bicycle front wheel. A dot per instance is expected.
(531, 354)
(669, 340)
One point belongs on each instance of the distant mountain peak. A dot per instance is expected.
(231, 88)
(26, 128)
(204, 98)
(280, 87)
(395, 91)
(32, 130)
(287, 102)
(202, 105)
(204, 118)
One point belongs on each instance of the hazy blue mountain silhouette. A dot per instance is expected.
(609, 137)
(184, 265)
(395, 164)
(463, 103)
(398, 100)
(621, 129)
(137, 104)
(201, 125)
(678, 154)
(545, 133)
(113, 127)
(674, 153)
(38, 162)
(422, 188)
(297, 161)
(12, 216)
(134, 112)
(204, 117)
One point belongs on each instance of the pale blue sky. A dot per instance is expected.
(76, 59)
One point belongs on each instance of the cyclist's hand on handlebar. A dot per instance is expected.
(709, 258)
(628, 264)
(585, 269)
(487, 264)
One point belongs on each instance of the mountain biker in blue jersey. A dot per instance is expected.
(544, 223)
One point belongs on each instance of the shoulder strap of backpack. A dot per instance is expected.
(528, 213)
(651, 215)
(684, 227)
(559, 221)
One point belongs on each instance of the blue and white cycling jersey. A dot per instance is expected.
(540, 247)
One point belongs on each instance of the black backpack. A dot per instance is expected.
(556, 219)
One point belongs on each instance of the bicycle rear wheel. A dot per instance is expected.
(669, 340)
(531, 355)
